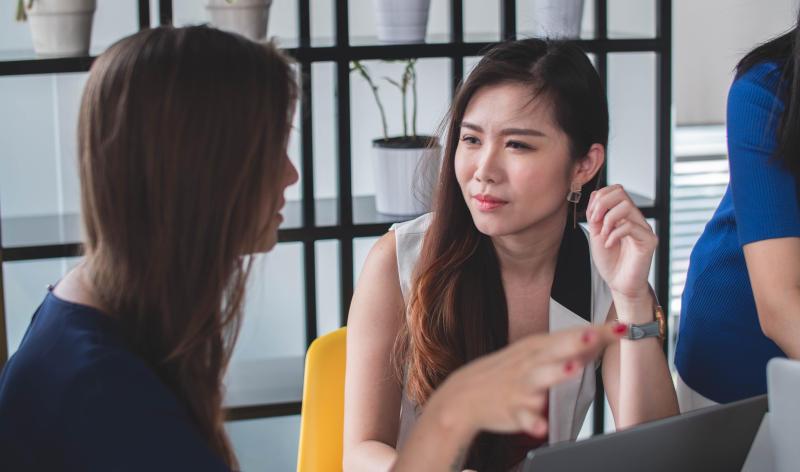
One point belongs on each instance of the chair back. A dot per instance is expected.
(322, 416)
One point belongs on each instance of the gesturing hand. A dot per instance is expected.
(622, 242)
(505, 391)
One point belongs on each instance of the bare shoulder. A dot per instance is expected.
(385, 249)
(377, 293)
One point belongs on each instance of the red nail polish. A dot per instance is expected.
(587, 337)
(569, 366)
(620, 328)
(540, 429)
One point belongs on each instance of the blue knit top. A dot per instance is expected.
(722, 352)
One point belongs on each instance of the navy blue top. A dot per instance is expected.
(74, 397)
(722, 352)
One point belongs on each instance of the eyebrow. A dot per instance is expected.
(506, 131)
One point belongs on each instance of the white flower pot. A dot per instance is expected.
(401, 21)
(61, 27)
(557, 18)
(404, 178)
(246, 17)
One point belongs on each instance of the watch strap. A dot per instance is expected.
(645, 330)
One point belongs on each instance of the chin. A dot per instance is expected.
(490, 226)
(267, 244)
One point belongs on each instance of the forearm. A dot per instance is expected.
(369, 456)
(438, 442)
(645, 390)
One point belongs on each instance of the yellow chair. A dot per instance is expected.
(322, 416)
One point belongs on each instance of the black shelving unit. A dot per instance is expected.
(346, 218)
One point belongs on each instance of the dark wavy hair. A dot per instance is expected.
(181, 139)
(457, 308)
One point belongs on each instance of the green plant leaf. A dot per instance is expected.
(21, 16)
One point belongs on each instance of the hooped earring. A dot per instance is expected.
(574, 197)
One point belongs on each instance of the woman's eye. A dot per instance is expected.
(517, 145)
(470, 139)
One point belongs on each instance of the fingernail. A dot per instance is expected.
(569, 366)
(620, 328)
(540, 428)
(588, 337)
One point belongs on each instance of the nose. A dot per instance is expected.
(488, 168)
(290, 175)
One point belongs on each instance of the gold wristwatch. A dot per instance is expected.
(654, 328)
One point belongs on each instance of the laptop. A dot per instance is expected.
(708, 439)
(783, 389)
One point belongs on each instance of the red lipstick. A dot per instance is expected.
(486, 202)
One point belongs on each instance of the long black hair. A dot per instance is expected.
(784, 50)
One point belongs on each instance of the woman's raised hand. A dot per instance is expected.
(503, 392)
(622, 242)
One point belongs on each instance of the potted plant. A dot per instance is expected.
(401, 21)
(557, 18)
(59, 27)
(246, 17)
(404, 167)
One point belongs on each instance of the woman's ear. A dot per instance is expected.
(586, 168)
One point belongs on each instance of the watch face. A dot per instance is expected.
(662, 322)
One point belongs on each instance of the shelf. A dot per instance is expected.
(32, 231)
(26, 62)
(264, 387)
(374, 41)
(52, 236)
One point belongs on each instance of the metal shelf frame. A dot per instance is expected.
(342, 53)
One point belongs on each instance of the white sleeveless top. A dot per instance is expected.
(579, 296)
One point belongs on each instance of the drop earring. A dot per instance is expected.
(574, 197)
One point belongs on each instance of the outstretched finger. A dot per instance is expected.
(543, 374)
(577, 343)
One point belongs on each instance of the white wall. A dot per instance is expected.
(709, 38)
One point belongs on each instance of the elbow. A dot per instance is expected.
(768, 326)
(769, 318)
(779, 323)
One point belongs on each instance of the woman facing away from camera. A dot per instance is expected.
(741, 303)
(500, 258)
(182, 140)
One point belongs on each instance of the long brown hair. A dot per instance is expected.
(457, 309)
(182, 133)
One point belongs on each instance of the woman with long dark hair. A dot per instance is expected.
(501, 257)
(741, 302)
